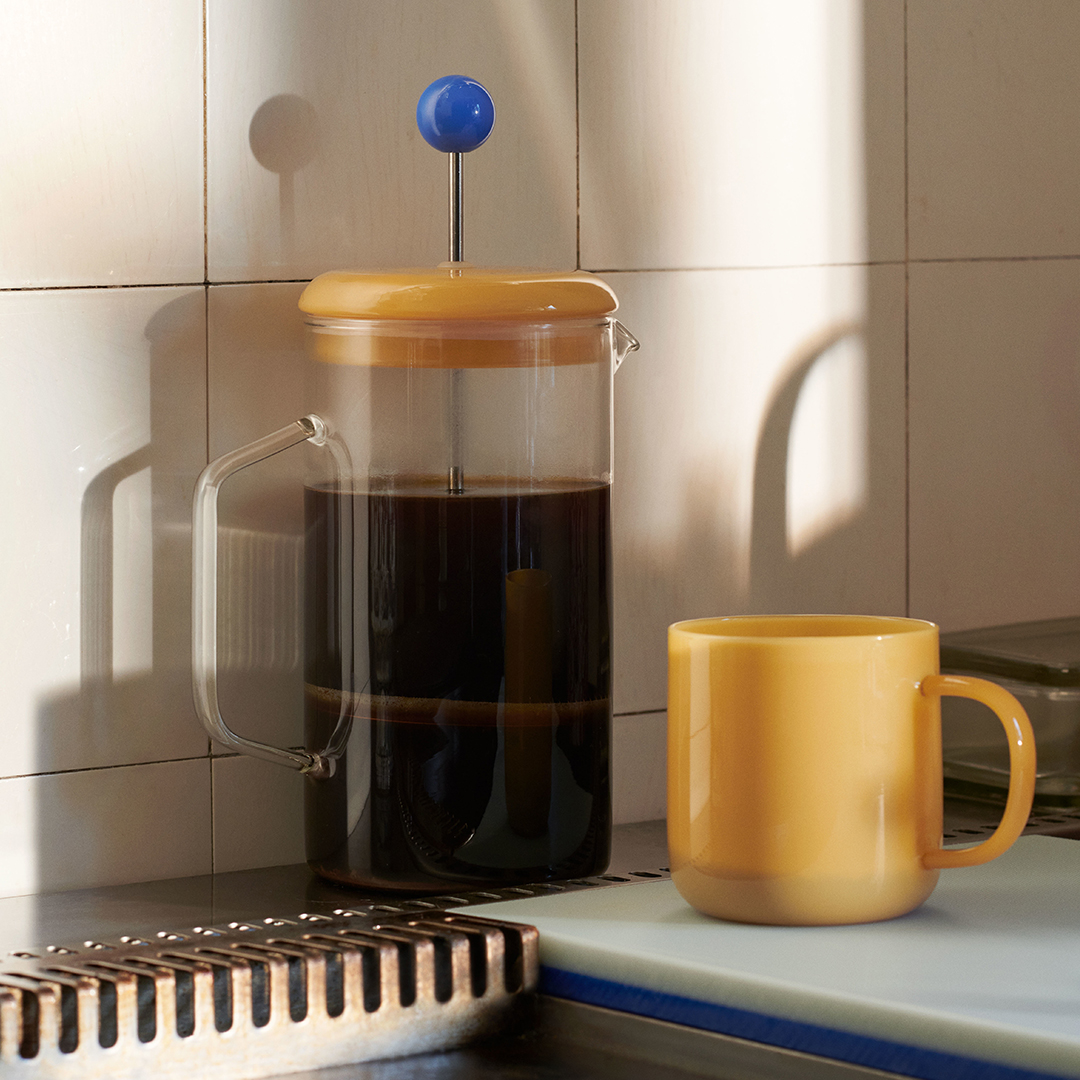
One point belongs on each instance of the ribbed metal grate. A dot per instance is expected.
(261, 999)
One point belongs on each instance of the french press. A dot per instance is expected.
(457, 611)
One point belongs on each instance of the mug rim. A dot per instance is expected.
(727, 627)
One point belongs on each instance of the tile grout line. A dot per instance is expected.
(152, 285)
(103, 768)
(206, 141)
(907, 340)
(742, 269)
(206, 369)
(577, 135)
(927, 261)
(206, 324)
(213, 853)
(206, 416)
(958, 259)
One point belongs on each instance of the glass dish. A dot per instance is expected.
(1039, 662)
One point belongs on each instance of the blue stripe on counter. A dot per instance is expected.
(789, 1034)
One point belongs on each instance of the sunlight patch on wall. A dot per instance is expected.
(827, 450)
(735, 137)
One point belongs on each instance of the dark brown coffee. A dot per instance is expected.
(473, 706)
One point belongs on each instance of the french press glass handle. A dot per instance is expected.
(204, 588)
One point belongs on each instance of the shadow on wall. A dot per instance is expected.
(133, 703)
(284, 137)
(123, 714)
(116, 719)
(758, 472)
(776, 565)
(256, 366)
(708, 553)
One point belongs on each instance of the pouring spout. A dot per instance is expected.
(625, 343)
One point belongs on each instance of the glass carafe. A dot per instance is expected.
(457, 611)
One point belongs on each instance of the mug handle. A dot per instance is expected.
(1021, 768)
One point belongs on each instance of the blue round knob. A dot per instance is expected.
(455, 114)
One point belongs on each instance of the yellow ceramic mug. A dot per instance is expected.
(804, 767)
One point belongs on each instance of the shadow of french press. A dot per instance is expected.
(146, 714)
(284, 137)
(96, 682)
(142, 713)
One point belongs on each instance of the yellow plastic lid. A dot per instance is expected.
(457, 291)
(458, 316)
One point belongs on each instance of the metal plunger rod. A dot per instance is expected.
(456, 477)
(456, 212)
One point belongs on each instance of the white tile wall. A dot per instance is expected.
(342, 176)
(255, 384)
(103, 826)
(101, 110)
(729, 133)
(109, 385)
(258, 814)
(995, 441)
(743, 168)
(994, 136)
(639, 749)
